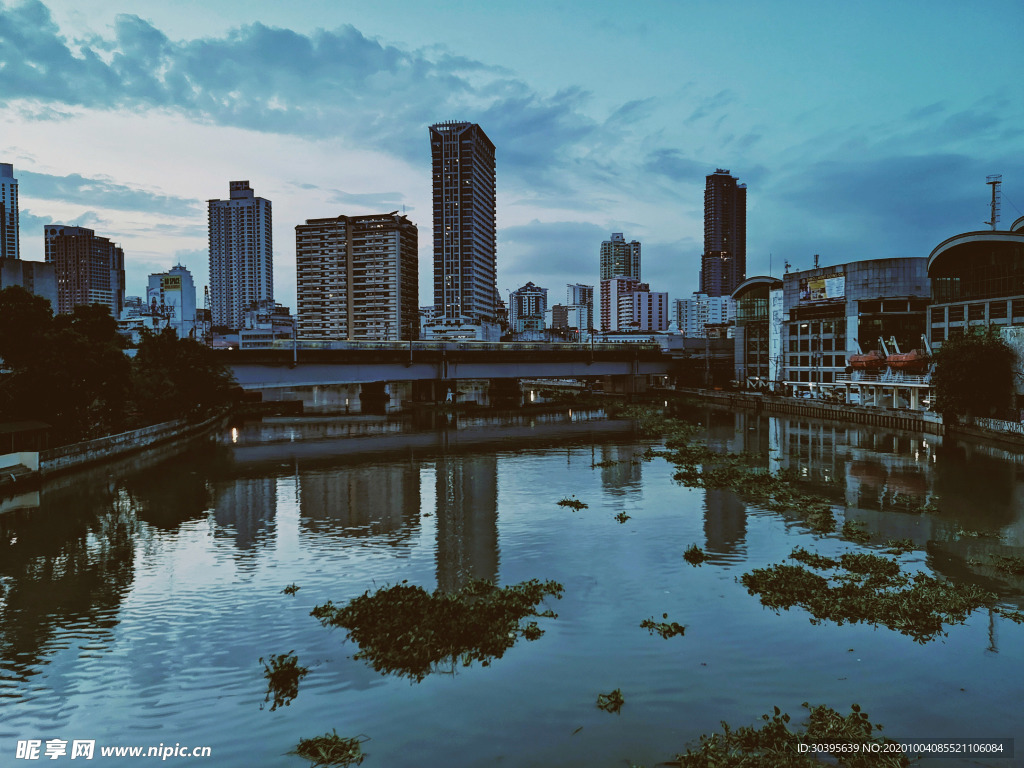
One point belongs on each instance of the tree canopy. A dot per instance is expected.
(974, 374)
(71, 371)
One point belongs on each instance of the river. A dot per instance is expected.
(136, 600)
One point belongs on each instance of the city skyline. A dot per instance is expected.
(850, 146)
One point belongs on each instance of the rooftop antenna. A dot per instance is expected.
(786, 262)
(815, 261)
(994, 181)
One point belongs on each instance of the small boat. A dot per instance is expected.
(914, 362)
(872, 361)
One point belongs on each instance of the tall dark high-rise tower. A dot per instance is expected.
(465, 222)
(724, 263)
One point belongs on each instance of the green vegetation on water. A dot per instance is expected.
(291, 589)
(332, 750)
(405, 630)
(774, 744)
(572, 503)
(622, 517)
(611, 702)
(283, 674)
(866, 588)
(666, 629)
(694, 555)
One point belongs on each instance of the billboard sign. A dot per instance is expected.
(823, 287)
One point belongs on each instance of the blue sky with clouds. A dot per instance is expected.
(862, 130)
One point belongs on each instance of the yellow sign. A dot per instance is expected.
(170, 282)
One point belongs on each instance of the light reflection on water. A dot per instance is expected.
(136, 603)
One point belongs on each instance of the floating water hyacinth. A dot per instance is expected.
(407, 631)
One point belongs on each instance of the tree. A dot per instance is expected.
(974, 374)
(177, 378)
(25, 320)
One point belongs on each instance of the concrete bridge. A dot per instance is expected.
(426, 371)
(367, 362)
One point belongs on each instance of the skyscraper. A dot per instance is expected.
(619, 258)
(89, 269)
(8, 213)
(358, 278)
(465, 222)
(724, 263)
(241, 255)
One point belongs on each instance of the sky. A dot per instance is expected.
(862, 130)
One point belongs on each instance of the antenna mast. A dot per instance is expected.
(994, 181)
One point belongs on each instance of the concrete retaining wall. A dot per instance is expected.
(77, 455)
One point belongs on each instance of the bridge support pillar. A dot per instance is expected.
(397, 392)
(505, 393)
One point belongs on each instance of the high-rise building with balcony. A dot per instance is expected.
(465, 223)
(619, 258)
(358, 278)
(724, 263)
(9, 248)
(89, 269)
(241, 254)
(579, 300)
(528, 308)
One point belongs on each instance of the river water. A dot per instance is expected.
(136, 600)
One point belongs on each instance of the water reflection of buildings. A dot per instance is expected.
(376, 500)
(621, 467)
(64, 567)
(247, 506)
(467, 520)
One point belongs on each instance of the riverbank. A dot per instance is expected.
(36, 467)
(1005, 433)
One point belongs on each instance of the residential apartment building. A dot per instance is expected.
(35, 277)
(695, 314)
(241, 254)
(643, 310)
(527, 308)
(619, 258)
(9, 237)
(465, 223)
(579, 301)
(89, 269)
(358, 278)
(724, 262)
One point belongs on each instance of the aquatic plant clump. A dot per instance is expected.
(611, 702)
(291, 589)
(774, 744)
(694, 555)
(866, 588)
(405, 630)
(283, 674)
(573, 503)
(331, 750)
(666, 629)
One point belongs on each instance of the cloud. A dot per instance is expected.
(542, 248)
(327, 83)
(376, 201)
(672, 164)
(103, 193)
